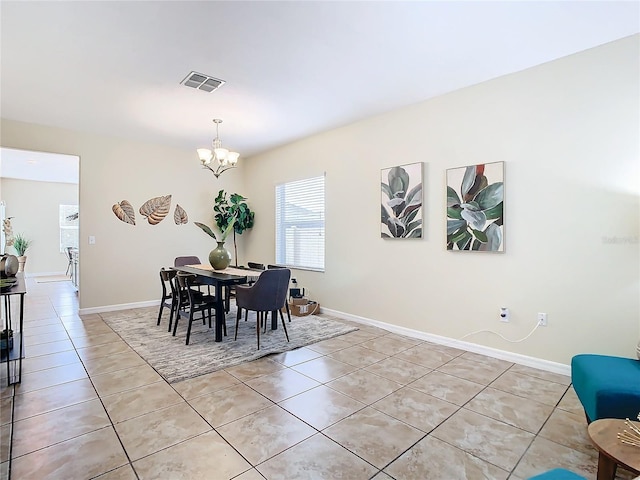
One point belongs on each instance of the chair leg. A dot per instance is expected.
(189, 327)
(175, 325)
(238, 315)
(258, 318)
(284, 325)
(227, 299)
(288, 311)
(224, 325)
(171, 314)
(160, 312)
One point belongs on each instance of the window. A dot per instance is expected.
(300, 224)
(68, 221)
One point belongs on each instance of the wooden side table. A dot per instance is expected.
(604, 436)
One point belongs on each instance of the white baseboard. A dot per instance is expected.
(122, 306)
(525, 360)
(42, 274)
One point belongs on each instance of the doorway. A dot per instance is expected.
(39, 192)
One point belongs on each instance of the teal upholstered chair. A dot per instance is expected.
(557, 474)
(608, 387)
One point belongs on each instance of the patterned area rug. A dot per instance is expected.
(175, 361)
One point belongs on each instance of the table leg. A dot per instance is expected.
(274, 320)
(21, 338)
(6, 350)
(606, 467)
(220, 314)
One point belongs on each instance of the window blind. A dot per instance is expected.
(300, 223)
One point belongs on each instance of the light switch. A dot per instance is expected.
(92, 240)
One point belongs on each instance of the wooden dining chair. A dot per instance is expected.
(268, 294)
(169, 298)
(192, 303)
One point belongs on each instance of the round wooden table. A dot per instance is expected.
(612, 452)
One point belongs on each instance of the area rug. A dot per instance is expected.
(175, 361)
(53, 278)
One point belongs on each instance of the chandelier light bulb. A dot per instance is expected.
(224, 158)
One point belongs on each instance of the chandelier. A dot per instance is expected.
(219, 159)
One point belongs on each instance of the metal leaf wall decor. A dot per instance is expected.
(156, 209)
(180, 216)
(124, 211)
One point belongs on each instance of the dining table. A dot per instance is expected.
(218, 279)
(13, 353)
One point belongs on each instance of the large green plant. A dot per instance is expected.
(226, 209)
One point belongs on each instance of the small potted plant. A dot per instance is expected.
(6, 339)
(21, 244)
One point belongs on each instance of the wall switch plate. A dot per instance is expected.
(92, 240)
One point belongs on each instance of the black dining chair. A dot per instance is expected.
(286, 303)
(230, 291)
(186, 260)
(189, 260)
(268, 294)
(191, 303)
(169, 298)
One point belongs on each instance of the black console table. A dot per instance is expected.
(13, 356)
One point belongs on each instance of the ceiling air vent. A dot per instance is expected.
(202, 82)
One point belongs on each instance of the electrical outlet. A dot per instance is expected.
(542, 319)
(504, 314)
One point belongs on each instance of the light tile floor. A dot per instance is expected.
(369, 404)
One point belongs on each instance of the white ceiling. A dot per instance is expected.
(292, 68)
(39, 166)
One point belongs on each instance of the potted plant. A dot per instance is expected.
(219, 257)
(6, 338)
(20, 245)
(234, 207)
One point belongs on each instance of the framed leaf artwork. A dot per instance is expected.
(475, 208)
(401, 205)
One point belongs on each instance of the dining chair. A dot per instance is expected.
(191, 303)
(169, 298)
(286, 303)
(189, 260)
(230, 290)
(186, 260)
(268, 294)
(67, 252)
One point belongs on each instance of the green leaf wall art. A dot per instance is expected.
(475, 205)
(401, 206)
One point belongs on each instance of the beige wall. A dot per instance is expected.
(568, 134)
(122, 267)
(35, 208)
